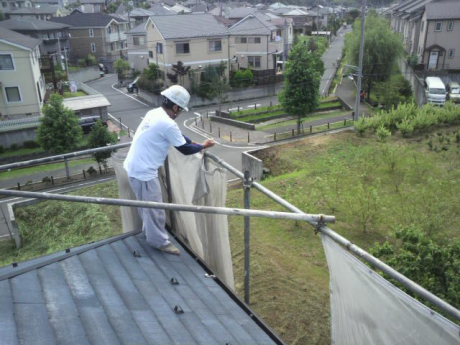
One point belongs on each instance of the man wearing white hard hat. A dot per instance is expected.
(156, 133)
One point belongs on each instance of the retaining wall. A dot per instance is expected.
(85, 74)
(416, 82)
(239, 124)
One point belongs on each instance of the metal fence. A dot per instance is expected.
(28, 122)
(317, 221)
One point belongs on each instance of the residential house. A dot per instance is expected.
(430, 30)
(178, 8)
(240, 12)
(138, 55)
(6, 6)
(21, 83)
(98, 34)
(321, 15)
(257, 45)
(439, 43)
(140, 15)
(301, 21)
(54, 36)
(45, 12)
(283, 24)
(196, 40)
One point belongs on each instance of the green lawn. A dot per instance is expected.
(305, 119)
(394, 184)
(40, 168)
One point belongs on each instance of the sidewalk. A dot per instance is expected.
(346, 90)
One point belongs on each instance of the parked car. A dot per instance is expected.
(87, 122)
(103, 68)
(453, 92)
(132, 87)
(435, 91)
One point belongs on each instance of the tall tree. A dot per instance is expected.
(214, 84)
(121, 66)
(300, 94)
(180, 71)
(59, 130)
(382, 49)
(100, 137)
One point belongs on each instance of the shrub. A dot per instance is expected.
(81, 62)
(90, 60)
(383, 133)
(46, 179)
(14, 147)
(361, 125)
(30, 144)
(406, 128)
(91, 170)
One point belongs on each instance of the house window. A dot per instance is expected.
(51, 35)
(91, 33)
(109, 30)
(450, 26)
(159, 48)
(438, 26)
(182, 48)
(254, 61)
(215, 46)
(4, 4)
(6, 62)
(240, 40)
(93, 47)
(254, 40)
(150, 54)
(451, 53)
(13, 94)
(59, 34)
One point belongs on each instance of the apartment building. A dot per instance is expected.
(138, 55)
(196, 40)
(21, 83)
(97, 34)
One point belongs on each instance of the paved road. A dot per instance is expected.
(330, 59)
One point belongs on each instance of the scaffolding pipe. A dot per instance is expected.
(376, 263)
(61, 157)
(174, 207)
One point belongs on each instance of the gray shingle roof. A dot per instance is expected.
(85, 19)
(17, 38)
(443, 10)
(31, 24)
(199, 25)
(253, 24)
(140, 29)
(102, 294)
(241, 12)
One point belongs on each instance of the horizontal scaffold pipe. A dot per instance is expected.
(173, 207)
(61, 157)
(376, 263)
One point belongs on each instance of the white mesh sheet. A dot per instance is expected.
(367, 309)
(201, 182)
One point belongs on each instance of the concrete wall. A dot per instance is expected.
(138, 55)
(235, 123)
(85, 74)
(252, 164)
(233, 96)
(17, 136)
(417, 83)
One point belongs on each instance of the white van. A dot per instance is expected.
(453, 90)
(435, 91)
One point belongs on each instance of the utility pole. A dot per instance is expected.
(285, 44)
(66, 64)
(360, 65)
(156, 58)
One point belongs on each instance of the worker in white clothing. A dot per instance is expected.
(156, 133)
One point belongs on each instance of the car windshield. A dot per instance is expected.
(437, 91)
(455, 91)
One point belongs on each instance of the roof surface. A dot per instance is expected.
(85, 19)
(17, 38)
(252, 25)
(199, 25)
(31, 24)
(119, 291)
(241, 12)
(140, 29)
(443, 10)
(86, 102)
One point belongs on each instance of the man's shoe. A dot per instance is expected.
(169, 249)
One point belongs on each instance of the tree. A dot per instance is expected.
(100, 137)
(214, 84)
(295, 40)
(59, 130)
(112, 7)
(300, 94)
(352, 15)
(149, 79)
(311, 45)
(180, 70)
(90, 60)
(382, 49)
(121, 66)
(393, 92)
(434, 266)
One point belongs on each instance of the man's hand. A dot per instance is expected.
(208, 143)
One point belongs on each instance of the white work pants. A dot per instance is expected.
(154, 220)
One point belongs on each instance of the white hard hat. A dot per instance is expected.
(178, 95)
